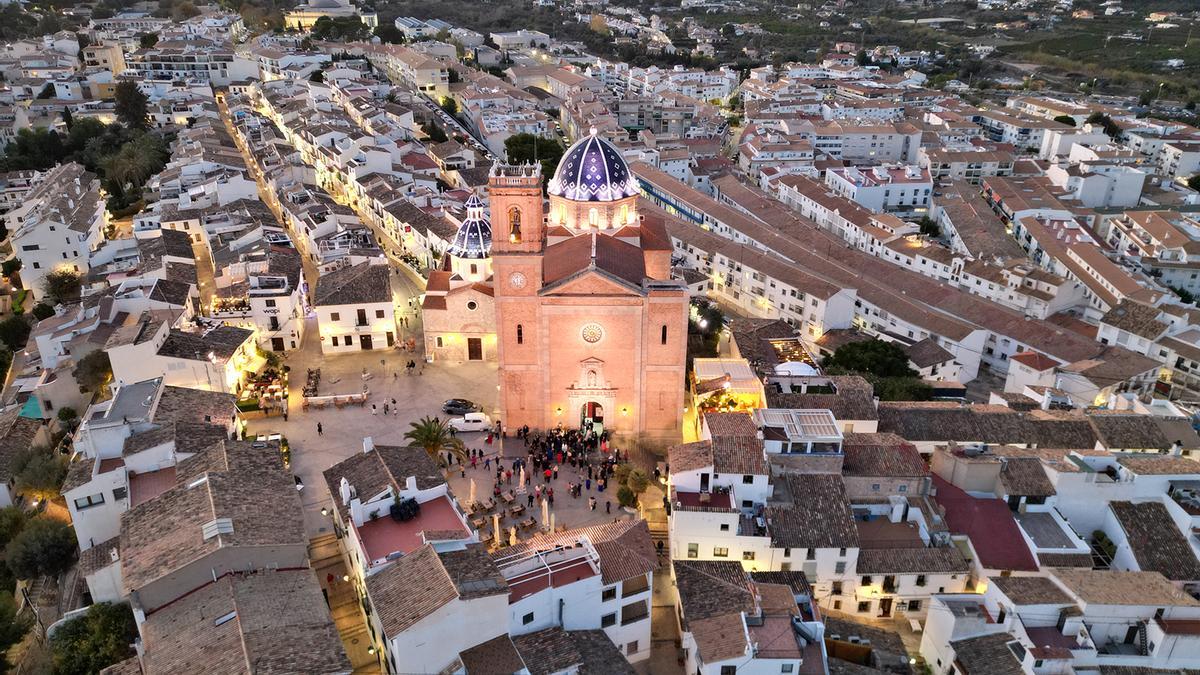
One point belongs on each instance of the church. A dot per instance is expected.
(577, 304)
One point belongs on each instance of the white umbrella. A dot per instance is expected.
(551, 522)
(521, 484)
(472, 499)
(512, 536)
(496, 528)
(545, 512)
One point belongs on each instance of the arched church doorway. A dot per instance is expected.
(591, 416)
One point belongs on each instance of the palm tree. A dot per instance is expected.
(434, 435)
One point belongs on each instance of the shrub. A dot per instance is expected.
(625, 497)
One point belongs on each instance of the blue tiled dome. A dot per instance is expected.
(474, 236)
(592, 170)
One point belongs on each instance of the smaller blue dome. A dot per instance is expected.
(474, 236)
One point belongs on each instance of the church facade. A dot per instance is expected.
(590, 326)
(576, 305)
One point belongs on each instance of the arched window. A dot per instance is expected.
(593, 217)
(624, 213)
(664, 334)
(474, 269)
(520, 334)
(514, 224)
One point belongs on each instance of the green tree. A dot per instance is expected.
(434, 132)
(92, 642)
(876, 357)
(12, 521)
(1106, 123)
(10, 267)
(62, 285)
(928, 227)
(862, 58)
(67, 415)
(389, 34)
(435, 437)
(452, 76)
(45, 547)
(317, 76)
(14, 332)
(130, 104)
(449, 105)
(147, 40)
(1065, 119)
(93, 371)
(529, 148)
(12, 626)
(42, 311)
(40, 473)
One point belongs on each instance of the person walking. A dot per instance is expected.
(550, 496)
(320, 429)
(592, 503)
(373, 409)
(555, 472)
(530, 500)
(547, 474)
(607, 506)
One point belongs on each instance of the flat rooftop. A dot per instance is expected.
(882, 533)
(146, 486)
(383, 536)
(717, 500)
(1044, 530)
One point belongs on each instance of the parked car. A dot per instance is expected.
(474, 421)
(460, 406)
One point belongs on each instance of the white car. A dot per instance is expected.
(475, 421)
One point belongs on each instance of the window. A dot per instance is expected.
(864, 607)
(593, 217)
(720, 552)
(836, 588)
(361, 317)
(608, 594)
(866, 581)
(514, 225)
(520, 334)
(88, 502)
(920, 579)
(747, 555)
(664, 334)
(527, 619)
(379, 314)
(728, 670)
(787, 552)
(472, 305)
(120, 493)
(438, 340)
(693, 551)
(839, 567)
(608, 620)
(634, 611)
(335, 316)
(903, 488)
(747, 480)
(914, 605)
(631, 648)
(837, 604)
(841, 553)
(811, 554)
(724, 527)
(874, 487)
(786, 667)
(270, 302)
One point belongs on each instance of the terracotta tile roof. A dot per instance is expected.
(494, 657)
(130, 666)
(1026, 590)
(730, 424)
(554, 650)
(1025, 476)
(1129, 432)
(940, 560)
(712, 596)
(1159, 465)
(625, 547)
(420, 583)
(987, 655)
(613, 257)
(989, 524)
(927, 353)
(370, 473)
(690, 456)
(1155, 540)
(99, 556)
(166, 532)
(1079, 560)
(187, 437)
(873, 455)
(853, 400)
(181, 404)
(266, 622)
(358, 284)
(794, 579)
(818, 517)
(1110, 587)
(1137, 318)
(739, 454)
(948, 421)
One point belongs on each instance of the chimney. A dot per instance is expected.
(1177, 448)
(368, 444)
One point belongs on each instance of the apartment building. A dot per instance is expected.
(892, 189)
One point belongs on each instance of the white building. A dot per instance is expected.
(355, 310)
